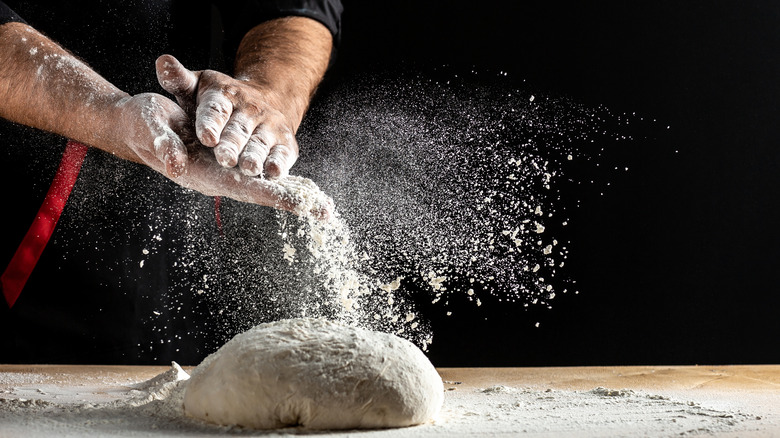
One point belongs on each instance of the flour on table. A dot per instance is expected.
(316, 374)
(34, 405)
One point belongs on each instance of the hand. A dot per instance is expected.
(242, 122)
(156, 130)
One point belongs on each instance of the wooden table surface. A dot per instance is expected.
(759, 379)
(749, 389)
(753, 378)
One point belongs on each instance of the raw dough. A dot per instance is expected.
(316, 374)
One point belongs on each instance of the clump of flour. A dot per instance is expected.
(323, 248)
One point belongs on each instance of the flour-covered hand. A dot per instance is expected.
(240, 119)
(154, 129)
(158, 131)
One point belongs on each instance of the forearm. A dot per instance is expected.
(287, 58)
(44, 86)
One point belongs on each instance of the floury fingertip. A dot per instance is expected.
(226, 154)
(251, 164)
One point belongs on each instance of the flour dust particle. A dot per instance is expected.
(455, 186)
(444, 188)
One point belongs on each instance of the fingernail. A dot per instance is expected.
(251, 164)
(272, 169)
(226, 154)
(206, 135)
(275, 165)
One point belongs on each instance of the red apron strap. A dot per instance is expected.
(31, 248)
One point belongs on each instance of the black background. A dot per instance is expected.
(677, 262)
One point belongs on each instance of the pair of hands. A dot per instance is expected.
(223, 136)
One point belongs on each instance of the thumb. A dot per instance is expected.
(166, 124)
(177, 80)
(171, 151)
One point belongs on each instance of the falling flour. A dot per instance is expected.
(353, 295)
(442, 192)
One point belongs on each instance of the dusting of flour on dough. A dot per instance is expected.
(315, 374)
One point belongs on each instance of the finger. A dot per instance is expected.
(233, 139)
(294, 194)
(208, 177)
(281, 158)
(170, 150)
(254, 155)
(177, 80)
(214, 110)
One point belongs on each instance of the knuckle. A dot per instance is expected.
(209, 75)
(253, 109)
(218, 107)
(229, 90)
(258, 145)
(236, 132)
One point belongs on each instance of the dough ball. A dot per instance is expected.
(316, 374)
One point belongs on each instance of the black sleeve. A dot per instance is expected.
(243, 15)
(239, 16)
(327, 12)
(7, 15)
